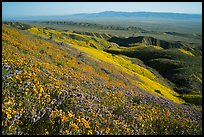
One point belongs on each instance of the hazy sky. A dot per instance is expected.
(21, 9)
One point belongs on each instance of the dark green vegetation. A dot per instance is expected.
(71, 82)
(128, 42)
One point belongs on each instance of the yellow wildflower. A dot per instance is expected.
(127, 129)
(14, 112)
(79, 120)
(41, 89)
(89, 132)
(35, 90)
(70, 115)
(56, 86)
(87, 125)
(59, 92)
(52, 114)
(74, 126)
(52, 102)
(168, 113)
(140, 118)
(9, 116)
(9, 110)
(83, 120)
(9, 103)
(107, 130)
(116, 122)
(18, 77)
(64, 119)
(46, 132)
(40, 95)
(35, 79)
(67, 131)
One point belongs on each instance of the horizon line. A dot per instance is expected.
(105, 11)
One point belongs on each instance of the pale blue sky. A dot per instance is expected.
(22, 9)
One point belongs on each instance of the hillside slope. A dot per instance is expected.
(63, 83)
(179, 62)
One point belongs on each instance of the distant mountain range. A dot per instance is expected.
(114, 15)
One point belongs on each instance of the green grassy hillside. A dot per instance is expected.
(63, 83)
(182, 66)
(174, 33)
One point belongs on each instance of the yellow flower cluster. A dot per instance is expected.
(8, 113)
(86, 123)
(74, 126)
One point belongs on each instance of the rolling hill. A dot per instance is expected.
(57, 82)
(151, 21)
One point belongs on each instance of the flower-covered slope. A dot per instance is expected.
(50, 87)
